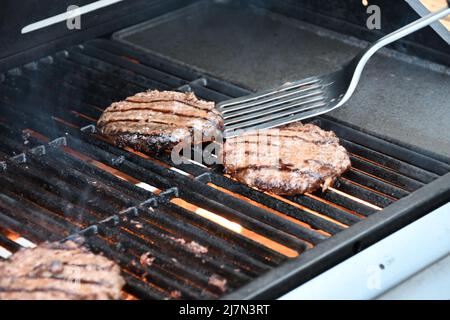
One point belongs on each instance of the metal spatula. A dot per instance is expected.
(309, 97)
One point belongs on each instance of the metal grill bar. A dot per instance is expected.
(28, 219)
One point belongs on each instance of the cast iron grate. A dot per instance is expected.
(178, 231)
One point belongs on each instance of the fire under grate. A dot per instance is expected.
(183, 231)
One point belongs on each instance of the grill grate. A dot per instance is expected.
(178, 231)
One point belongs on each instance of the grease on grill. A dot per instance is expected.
(218, 282)
(146, 259)
(192, 246)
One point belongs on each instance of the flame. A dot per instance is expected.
(318, 214)
(235, 227)
(354, 198)
(332, 204)
(128, 296)
(257, 204)
(17, 238)
(11, 235)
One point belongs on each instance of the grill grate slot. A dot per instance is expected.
(9, 244)
(51, 191)
(387, 175)
(74, 59)
(398, 158)
(124, 62)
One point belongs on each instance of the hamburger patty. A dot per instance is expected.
(290, 160)
(156, 120)
(59, 271)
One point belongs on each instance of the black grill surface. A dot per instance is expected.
(60, 179)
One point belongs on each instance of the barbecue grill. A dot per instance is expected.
(210, 236)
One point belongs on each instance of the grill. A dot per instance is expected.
(207, 236)
(184, 231)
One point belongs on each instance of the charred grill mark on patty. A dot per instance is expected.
(258, 136)
(277, 168)
(259, 142)
(146, 121)
(169, 112)
(130, 99)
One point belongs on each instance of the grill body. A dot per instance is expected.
(210, 236)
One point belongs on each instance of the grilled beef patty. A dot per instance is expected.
(290, 160)
(59, 271)
(156, 120)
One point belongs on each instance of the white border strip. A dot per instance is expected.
(391, 260)
(68, 15)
